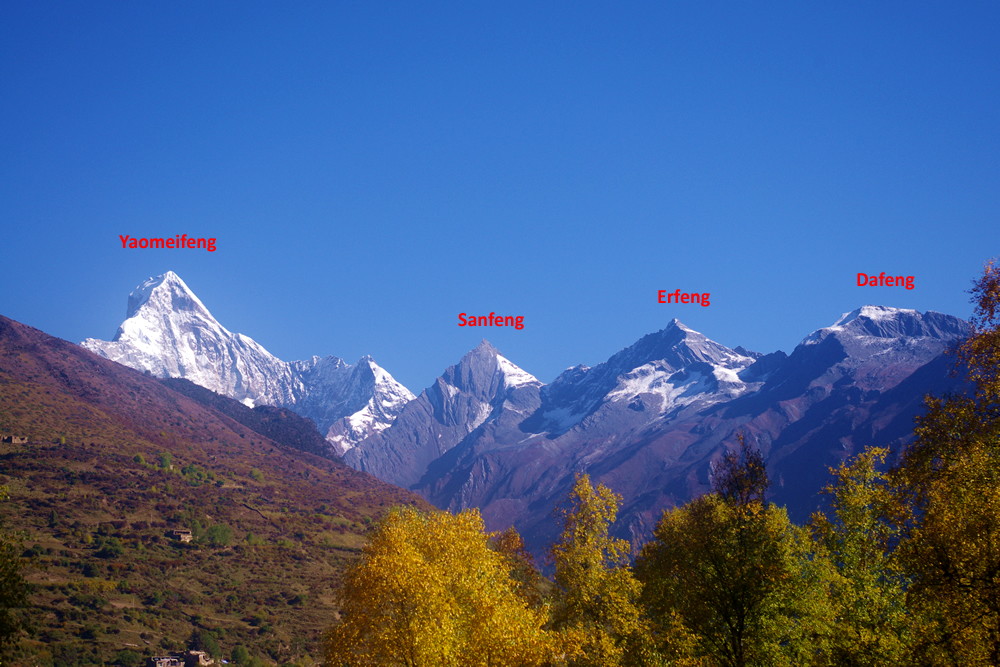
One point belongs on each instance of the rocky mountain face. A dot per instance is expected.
(169, 332)
(480, 395)
(651, 420)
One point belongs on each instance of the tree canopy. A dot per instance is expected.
(597, 604)
(430, 591)
(949, 482)
(739, 577)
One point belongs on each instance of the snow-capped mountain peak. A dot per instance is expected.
(170, 333)
(662, 372)
(890, 323)
(167, 292)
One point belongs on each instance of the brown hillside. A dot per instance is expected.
(92, 487)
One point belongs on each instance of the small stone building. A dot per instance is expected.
(172, 660)
(182, 535)
(197, 659)
(15, 439)
(186, 659)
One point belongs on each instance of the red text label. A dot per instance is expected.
(882, 280)
(679, 297)
(491, 320)
(180, 241)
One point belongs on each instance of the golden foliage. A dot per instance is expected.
(528, 581)
(950, 480)
(597, 610)
(874, 627)
(430, 592)
(742, 580)
(905, 571)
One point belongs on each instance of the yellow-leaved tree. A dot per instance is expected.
(596, 609)
(950, 480)
(743, 582)
(430, 592)
(873, 626)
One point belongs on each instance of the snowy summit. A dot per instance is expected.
(169, 332)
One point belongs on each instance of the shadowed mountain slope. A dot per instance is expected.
(474, 396)
(279, 424)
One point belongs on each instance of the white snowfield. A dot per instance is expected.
(884, 322)
(513, 375)
(169, 332)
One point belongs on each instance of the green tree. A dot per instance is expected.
(128, 658)
(429, 591)
(597, 602)
(736, 574)
(197, 530)
(950, 481)
(241, 656)
(204, 640)
(166, 460)
(218, 535)
(195, 475)
(14, 590)
(873, 627)
(110, 548)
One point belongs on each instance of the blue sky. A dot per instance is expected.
(371, 170)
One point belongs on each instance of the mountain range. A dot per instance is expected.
(169, 332)
(649, 422)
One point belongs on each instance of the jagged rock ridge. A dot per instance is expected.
(169, 332)
(483, 388)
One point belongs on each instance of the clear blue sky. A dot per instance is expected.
(371, 170)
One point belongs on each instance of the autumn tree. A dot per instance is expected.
(528, 581)
(429, 591)
(737, 575)
(869, 593)
(950, 480)
(596, 608)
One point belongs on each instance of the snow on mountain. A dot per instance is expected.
(513, 375)
(885, 322)
(663, 372)
(876, 346)
(484, 388)
(650, 421)
(383, 398)
(169, 332)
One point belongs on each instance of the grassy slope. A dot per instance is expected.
(307, 515)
